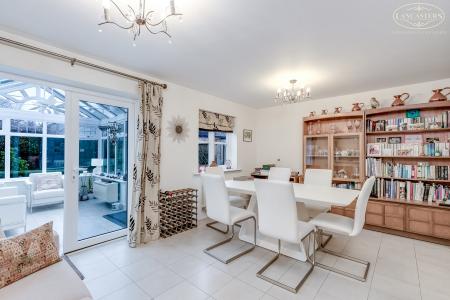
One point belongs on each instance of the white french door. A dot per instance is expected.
(99, 157)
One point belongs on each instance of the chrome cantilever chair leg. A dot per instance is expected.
(217, 229)
(333, 269)
(226, 261)
(310, 259)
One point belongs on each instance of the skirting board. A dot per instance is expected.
(409, 235)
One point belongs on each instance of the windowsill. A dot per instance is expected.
(225, 171)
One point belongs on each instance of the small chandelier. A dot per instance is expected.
(137, 20)
(111, 130)
(292, 95)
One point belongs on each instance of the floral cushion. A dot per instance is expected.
(27, 253)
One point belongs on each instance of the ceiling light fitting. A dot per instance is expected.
(143, 18)
(292, 95)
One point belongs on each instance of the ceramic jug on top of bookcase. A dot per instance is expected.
(400, 100)
(439, 96)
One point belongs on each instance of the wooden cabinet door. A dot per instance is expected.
(394, 216)
(419, 220)
(441, 223)
(375, 214)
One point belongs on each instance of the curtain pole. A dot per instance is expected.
(73, 61)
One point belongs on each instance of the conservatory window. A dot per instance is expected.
(26, 156)
(24, 126)
(55, 155)
(88, 151)
(55, 128)
(2, 156)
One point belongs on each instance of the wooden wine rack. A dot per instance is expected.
(177, 211)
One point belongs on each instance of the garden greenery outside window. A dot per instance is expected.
(26, 156)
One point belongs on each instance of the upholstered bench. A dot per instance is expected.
(55, 282)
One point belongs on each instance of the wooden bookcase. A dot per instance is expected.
(335, 142)
(416, 219)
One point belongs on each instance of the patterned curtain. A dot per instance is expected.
(215, 122)
(144, 215)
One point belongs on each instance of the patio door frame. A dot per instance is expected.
(71, 166)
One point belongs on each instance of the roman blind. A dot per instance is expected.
(211, 121)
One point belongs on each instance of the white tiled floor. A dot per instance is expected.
(91, 220)
(176, 268)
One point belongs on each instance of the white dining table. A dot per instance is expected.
(308, 194)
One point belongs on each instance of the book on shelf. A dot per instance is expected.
(409, 191)
(421, 170)
(408, 149)
(440, 120)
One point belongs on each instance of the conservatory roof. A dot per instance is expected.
(21, 96)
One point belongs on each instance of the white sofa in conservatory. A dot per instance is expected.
(46, 189)
(13, 209)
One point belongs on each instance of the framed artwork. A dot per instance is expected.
(381, 140)
(395, 140)
(247, 135)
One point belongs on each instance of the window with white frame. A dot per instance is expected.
(216, 140)
(216, 146)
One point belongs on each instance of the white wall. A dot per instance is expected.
(179, 160)
(280, 128)
(277, 130)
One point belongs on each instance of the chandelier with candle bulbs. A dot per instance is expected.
(293, 95)
(140, 19)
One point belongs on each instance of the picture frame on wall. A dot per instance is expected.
(247, 135)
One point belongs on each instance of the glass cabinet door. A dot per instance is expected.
(316, 152)
(346, 157)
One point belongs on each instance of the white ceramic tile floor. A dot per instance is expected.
(176, 268)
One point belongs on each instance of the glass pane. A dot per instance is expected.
(55, 128)
(55, 155)
(203, 155)
(121, 156)
(104, 155)
(111, 158)
(2, 156)
(220, 137)
(346, 157)
(26, 156)
(103, 184)
(220, 154)
(23, 126)
(203, 136)
(316, 156)
(88, 151)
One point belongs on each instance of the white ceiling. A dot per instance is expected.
(243, 50)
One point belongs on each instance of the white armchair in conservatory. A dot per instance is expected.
(46, 189)
(13, 209)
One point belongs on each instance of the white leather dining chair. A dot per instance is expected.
(319, 177)
(236, 200)
(347, 226)
(219, 209)
(280, 174)
(277, 218)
